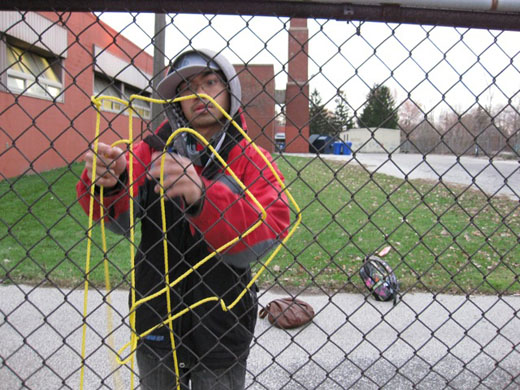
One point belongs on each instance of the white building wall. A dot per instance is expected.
(373, 140)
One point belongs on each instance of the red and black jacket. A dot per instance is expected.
(206, 334)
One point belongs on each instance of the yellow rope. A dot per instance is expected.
(110, 318)
(166, 290)
(166, 274)
(97, 104)
(89, 247)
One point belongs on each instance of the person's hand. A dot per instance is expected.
(180, 177)
(110, 164)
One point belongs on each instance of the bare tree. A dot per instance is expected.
(410, 116)
(508, 119)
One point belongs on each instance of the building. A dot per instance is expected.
(49, 69)
(257, 83)
(50, 66)
(373, 140)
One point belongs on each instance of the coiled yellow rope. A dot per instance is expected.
(166, 290)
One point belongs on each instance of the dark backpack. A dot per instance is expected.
(379, 278)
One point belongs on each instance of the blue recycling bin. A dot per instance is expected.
(347, 148)
(344, 148)
(337, 147)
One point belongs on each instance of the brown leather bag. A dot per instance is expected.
(287, 313)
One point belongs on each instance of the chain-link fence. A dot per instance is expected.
(388, 133)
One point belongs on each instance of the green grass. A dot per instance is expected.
(445, 238)
(43, 233)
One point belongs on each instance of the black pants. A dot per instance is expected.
(158, 373)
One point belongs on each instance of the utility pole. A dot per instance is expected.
(158, 66)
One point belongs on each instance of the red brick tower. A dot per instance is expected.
(297, 91)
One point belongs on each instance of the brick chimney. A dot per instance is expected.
(297, 91)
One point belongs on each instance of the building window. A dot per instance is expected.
(31, 74)
(105, 87)
(141, 107)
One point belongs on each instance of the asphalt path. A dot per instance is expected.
(494, 177)
(424, 342)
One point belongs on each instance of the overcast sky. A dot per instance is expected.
(430, 63)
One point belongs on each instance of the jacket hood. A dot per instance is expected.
(193, 62)
(186, 65)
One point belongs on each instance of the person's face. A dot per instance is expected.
(202, 115)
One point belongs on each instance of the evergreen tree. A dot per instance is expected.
(319, 118)
(379, 110)
(343, 120)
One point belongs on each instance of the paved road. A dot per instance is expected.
(497, 177)
(432, 341)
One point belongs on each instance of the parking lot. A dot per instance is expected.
(494, 177)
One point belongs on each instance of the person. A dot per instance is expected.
(205, 208)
